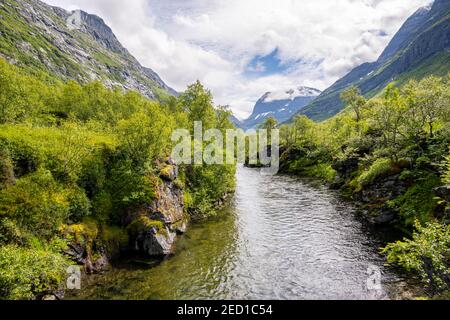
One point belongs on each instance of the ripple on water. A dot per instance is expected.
(283, 238)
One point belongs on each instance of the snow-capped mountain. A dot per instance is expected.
(420, 48)
(281, 105)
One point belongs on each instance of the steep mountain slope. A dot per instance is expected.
(421, 47)
(237, 123)
(71, 45)
(280, 105)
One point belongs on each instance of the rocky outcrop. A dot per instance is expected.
(92, 247)
(344, 168)
(374, 199)
(153, 228)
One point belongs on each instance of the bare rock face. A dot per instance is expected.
(153, 229)
(156, 242)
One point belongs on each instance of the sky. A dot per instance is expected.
(241, 49)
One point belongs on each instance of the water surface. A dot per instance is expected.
(281, 238)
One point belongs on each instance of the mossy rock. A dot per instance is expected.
(168, 173)
(144, 223)
(83, 233)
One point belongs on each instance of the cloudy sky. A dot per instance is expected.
(241, 49)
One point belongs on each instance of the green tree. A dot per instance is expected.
(389, 118)
(198, 103)
(352, 97)
(433, 100)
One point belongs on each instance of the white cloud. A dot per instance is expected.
(214, 40)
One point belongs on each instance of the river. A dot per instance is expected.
(281, 238)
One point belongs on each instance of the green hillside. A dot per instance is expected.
(420, 48)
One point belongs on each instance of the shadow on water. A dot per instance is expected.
(281, 238)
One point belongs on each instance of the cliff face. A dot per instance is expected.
(71, 46)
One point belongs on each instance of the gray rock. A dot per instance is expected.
(443, 192)
(154, 228)
(385, 217)
(158, 242)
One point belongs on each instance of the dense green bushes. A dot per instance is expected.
(428, 253)
(27, 273)
(72, 154)
(418, 203)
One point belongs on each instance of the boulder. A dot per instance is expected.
(346, 167)
(386, 216)
(158, 242)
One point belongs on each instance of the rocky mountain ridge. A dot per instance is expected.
(72, 46)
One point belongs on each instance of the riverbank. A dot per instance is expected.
(281, 237)
(85, 174)
(389, 155)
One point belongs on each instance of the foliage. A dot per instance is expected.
(76, 158)
(38, 204)
(427, 253)
(207, 184)
(379, 168)
(447, 171)
(396, 141)
(418, 202)
(26, 273)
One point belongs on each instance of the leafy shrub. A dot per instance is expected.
(379, 168)
(79, 204)
(427, 253)
(27, 273)
(447, 171)
(6, 168)
(25, 157)
(322, 171)
(11, 233)
(418, 202)
(37, 203)
(114, 236)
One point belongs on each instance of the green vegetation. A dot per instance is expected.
(26, 273)
(389, 152)
(428, 253)
(75, 159)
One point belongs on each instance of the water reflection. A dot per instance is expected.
(282, 238)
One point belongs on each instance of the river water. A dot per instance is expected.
(281, 238)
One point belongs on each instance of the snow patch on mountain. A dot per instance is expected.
(290, 94)
(280, 105)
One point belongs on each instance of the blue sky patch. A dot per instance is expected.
(266, 65)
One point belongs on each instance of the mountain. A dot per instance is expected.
(71, 46)
(421, 47)
(237, 123)
(280, 105)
